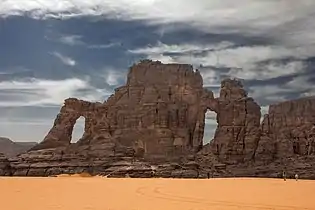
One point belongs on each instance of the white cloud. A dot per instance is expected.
(103, 46)
(161, 48)
(303, 85)
(268, 71)
(211, 78)
(244, 61)
(76, 40)
(268, 92)
(289, 24)
(112, 77)
(253, 16)
(65, 59)
(36, 92)
(71, 40)
(277, 92)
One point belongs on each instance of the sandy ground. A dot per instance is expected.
(79, 193)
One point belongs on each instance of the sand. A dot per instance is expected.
(97, 193)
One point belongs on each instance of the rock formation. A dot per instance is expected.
(157, 112)
(5, 169)
(288, 130)
(154, 124)
(238, 118)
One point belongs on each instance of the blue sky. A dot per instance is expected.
(54, 49)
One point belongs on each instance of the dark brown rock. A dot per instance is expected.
(288, 130)
(157, 112)
(5, 169)
(153, 127)
(238, 118)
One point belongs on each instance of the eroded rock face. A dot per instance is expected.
(238, 118)
(288, 130)
(61, 133)
(5, 169)
(153, 126)
(158, 112)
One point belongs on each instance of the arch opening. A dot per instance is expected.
(78, 130)
(210, 126)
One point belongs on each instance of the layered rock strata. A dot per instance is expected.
(157, 112)
(238, 117)
(5, 168)
(153, 127)
(288, 130)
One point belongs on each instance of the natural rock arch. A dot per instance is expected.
(165, 106)
(78, 130)
(60, 135)
(169, 100)
(238, 117)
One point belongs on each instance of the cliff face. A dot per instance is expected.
(5, 169)
(288, 130)
(238, 117)
(154, 124)
(158, 112)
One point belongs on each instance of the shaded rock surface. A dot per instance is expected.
(288, 130)
(157, 113)
(5, 169)
(153, 127)
(238, 118)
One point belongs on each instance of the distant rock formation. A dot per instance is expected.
(10, 148)
(153, 126)
(288, 130)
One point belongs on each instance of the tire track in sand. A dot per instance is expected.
(157, 192)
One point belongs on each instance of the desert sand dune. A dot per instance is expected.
(97, 193)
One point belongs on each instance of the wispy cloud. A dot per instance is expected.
(244, 61)
(71, 40)
(64, 59)
(37, 92)
(161, 48)
(76, 40)
(103, 46)
(112, 76)
(252, 16)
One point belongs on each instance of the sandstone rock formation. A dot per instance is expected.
(157, 112)
(238, 117)
(5, 169)
(288, 130)
(154, 124)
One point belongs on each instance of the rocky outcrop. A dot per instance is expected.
(157, 112)
(238, 118)
(156, 118)
(153, 127)
(61, 133)
(288, 130)
(5, 168)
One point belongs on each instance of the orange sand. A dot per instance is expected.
(97, 193)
